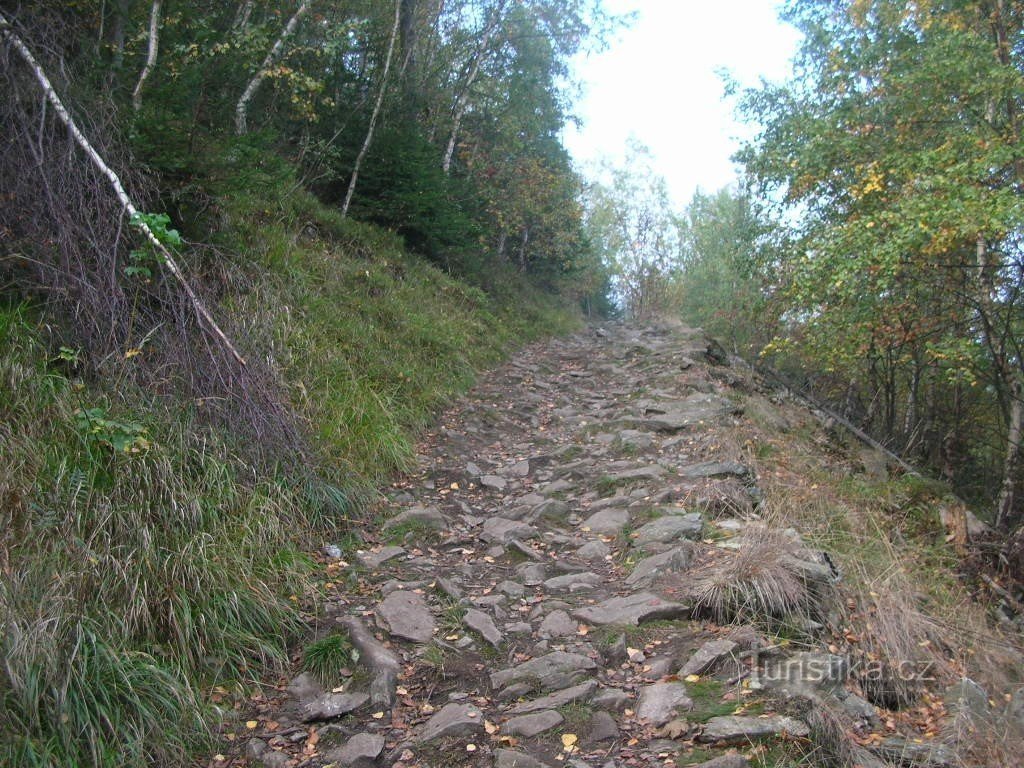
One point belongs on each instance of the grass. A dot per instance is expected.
(327, 656)
(135, 581)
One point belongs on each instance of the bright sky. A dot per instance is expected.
(659, 82)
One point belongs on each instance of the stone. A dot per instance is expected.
(714, 469)
(652, 472)
(332, 551)
(406, 615)
(635, 439)
(529, 726)
(725, 761)
(509, 758)
(305, 687)
(378, 558)
(593, 550)
(610, 521)
(602, 727)
(675, 416)
(512, 588)
(659, 702)
(967, 697)
(665, 530)
(427, 517)
(740, 729)
(918, 754)
(611, 699)
(558, 624)
(573, 582)
(707, 657)
(805, 671)
(494, 482)
(332, 705)
(631, 609)
(581, 692)
(274, 759)
(519, 469)
(648, 570)
(480, 622)
(501, 530)
(550, 509)
(358, 752)
(548, 671)
(457, 719)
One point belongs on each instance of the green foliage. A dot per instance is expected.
(327, 656)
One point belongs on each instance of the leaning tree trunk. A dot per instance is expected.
(242, 107)
(167, 258)
(375, 114)
(1006, 516)
(151, 54)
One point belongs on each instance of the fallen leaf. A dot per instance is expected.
(250, 724)
(692, 678)
(569, 741)
(490, 727)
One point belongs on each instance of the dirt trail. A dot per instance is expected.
(572, 579)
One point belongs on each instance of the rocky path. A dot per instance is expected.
(576, 577)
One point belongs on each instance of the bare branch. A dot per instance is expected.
(151, 54)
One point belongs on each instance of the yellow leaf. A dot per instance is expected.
(490, 727)
(377, 715)
(132, 353)
(692, 678)
(250, 724)
(569, 741)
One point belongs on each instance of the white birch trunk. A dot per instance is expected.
(151, 54)
(65, 117)
(242, 108)
(375, 114)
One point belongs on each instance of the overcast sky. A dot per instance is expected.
(659, 82)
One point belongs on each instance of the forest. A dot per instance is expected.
(250, 251)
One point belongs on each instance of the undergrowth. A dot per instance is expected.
(144, 559)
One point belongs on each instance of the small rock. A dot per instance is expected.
(305, 687)
(482, 623)
(715, 469)
(725, 761)
(593, 550)
(508, 758)
(659, 702)
(332, 551)
(511, 588)
(649, 569)
(573, 582)
(670, 528)
(581, 692)
(707, 657)
(602, 727)
(359, 752)
(455, 719)
(610, 521)
(529, 726)
(921, 755)
(494, 482)
(549, 671)
(332, 705)
(550, 509)
(428, 517)
(377, 559)
(501, 530)
(735, 729)
(611, 699)
(632, 609)
(274, 759)
(558, 624)
(406, 615)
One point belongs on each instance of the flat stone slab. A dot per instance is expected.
(358, 752)
(551, 509)
(707, 657)
(529, 726)
(677, 415)
(557, 624)
(735, 729)
(333, 705)
(659, 702)
(549, 671)
(406, 615)
(509, 758)
(573, 582)
(649, 569)
(428, 517)
(665, 530)
(456, 719)
(480, 622)
(901, 751)
(377, 559)
(652, 472)
(580, 692)
(632, 609)
(608, 521)
(714, 469)
(494, 482)
(593, 550)
(501, 530)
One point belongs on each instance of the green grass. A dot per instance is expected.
(135, 581)
(327, 656)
